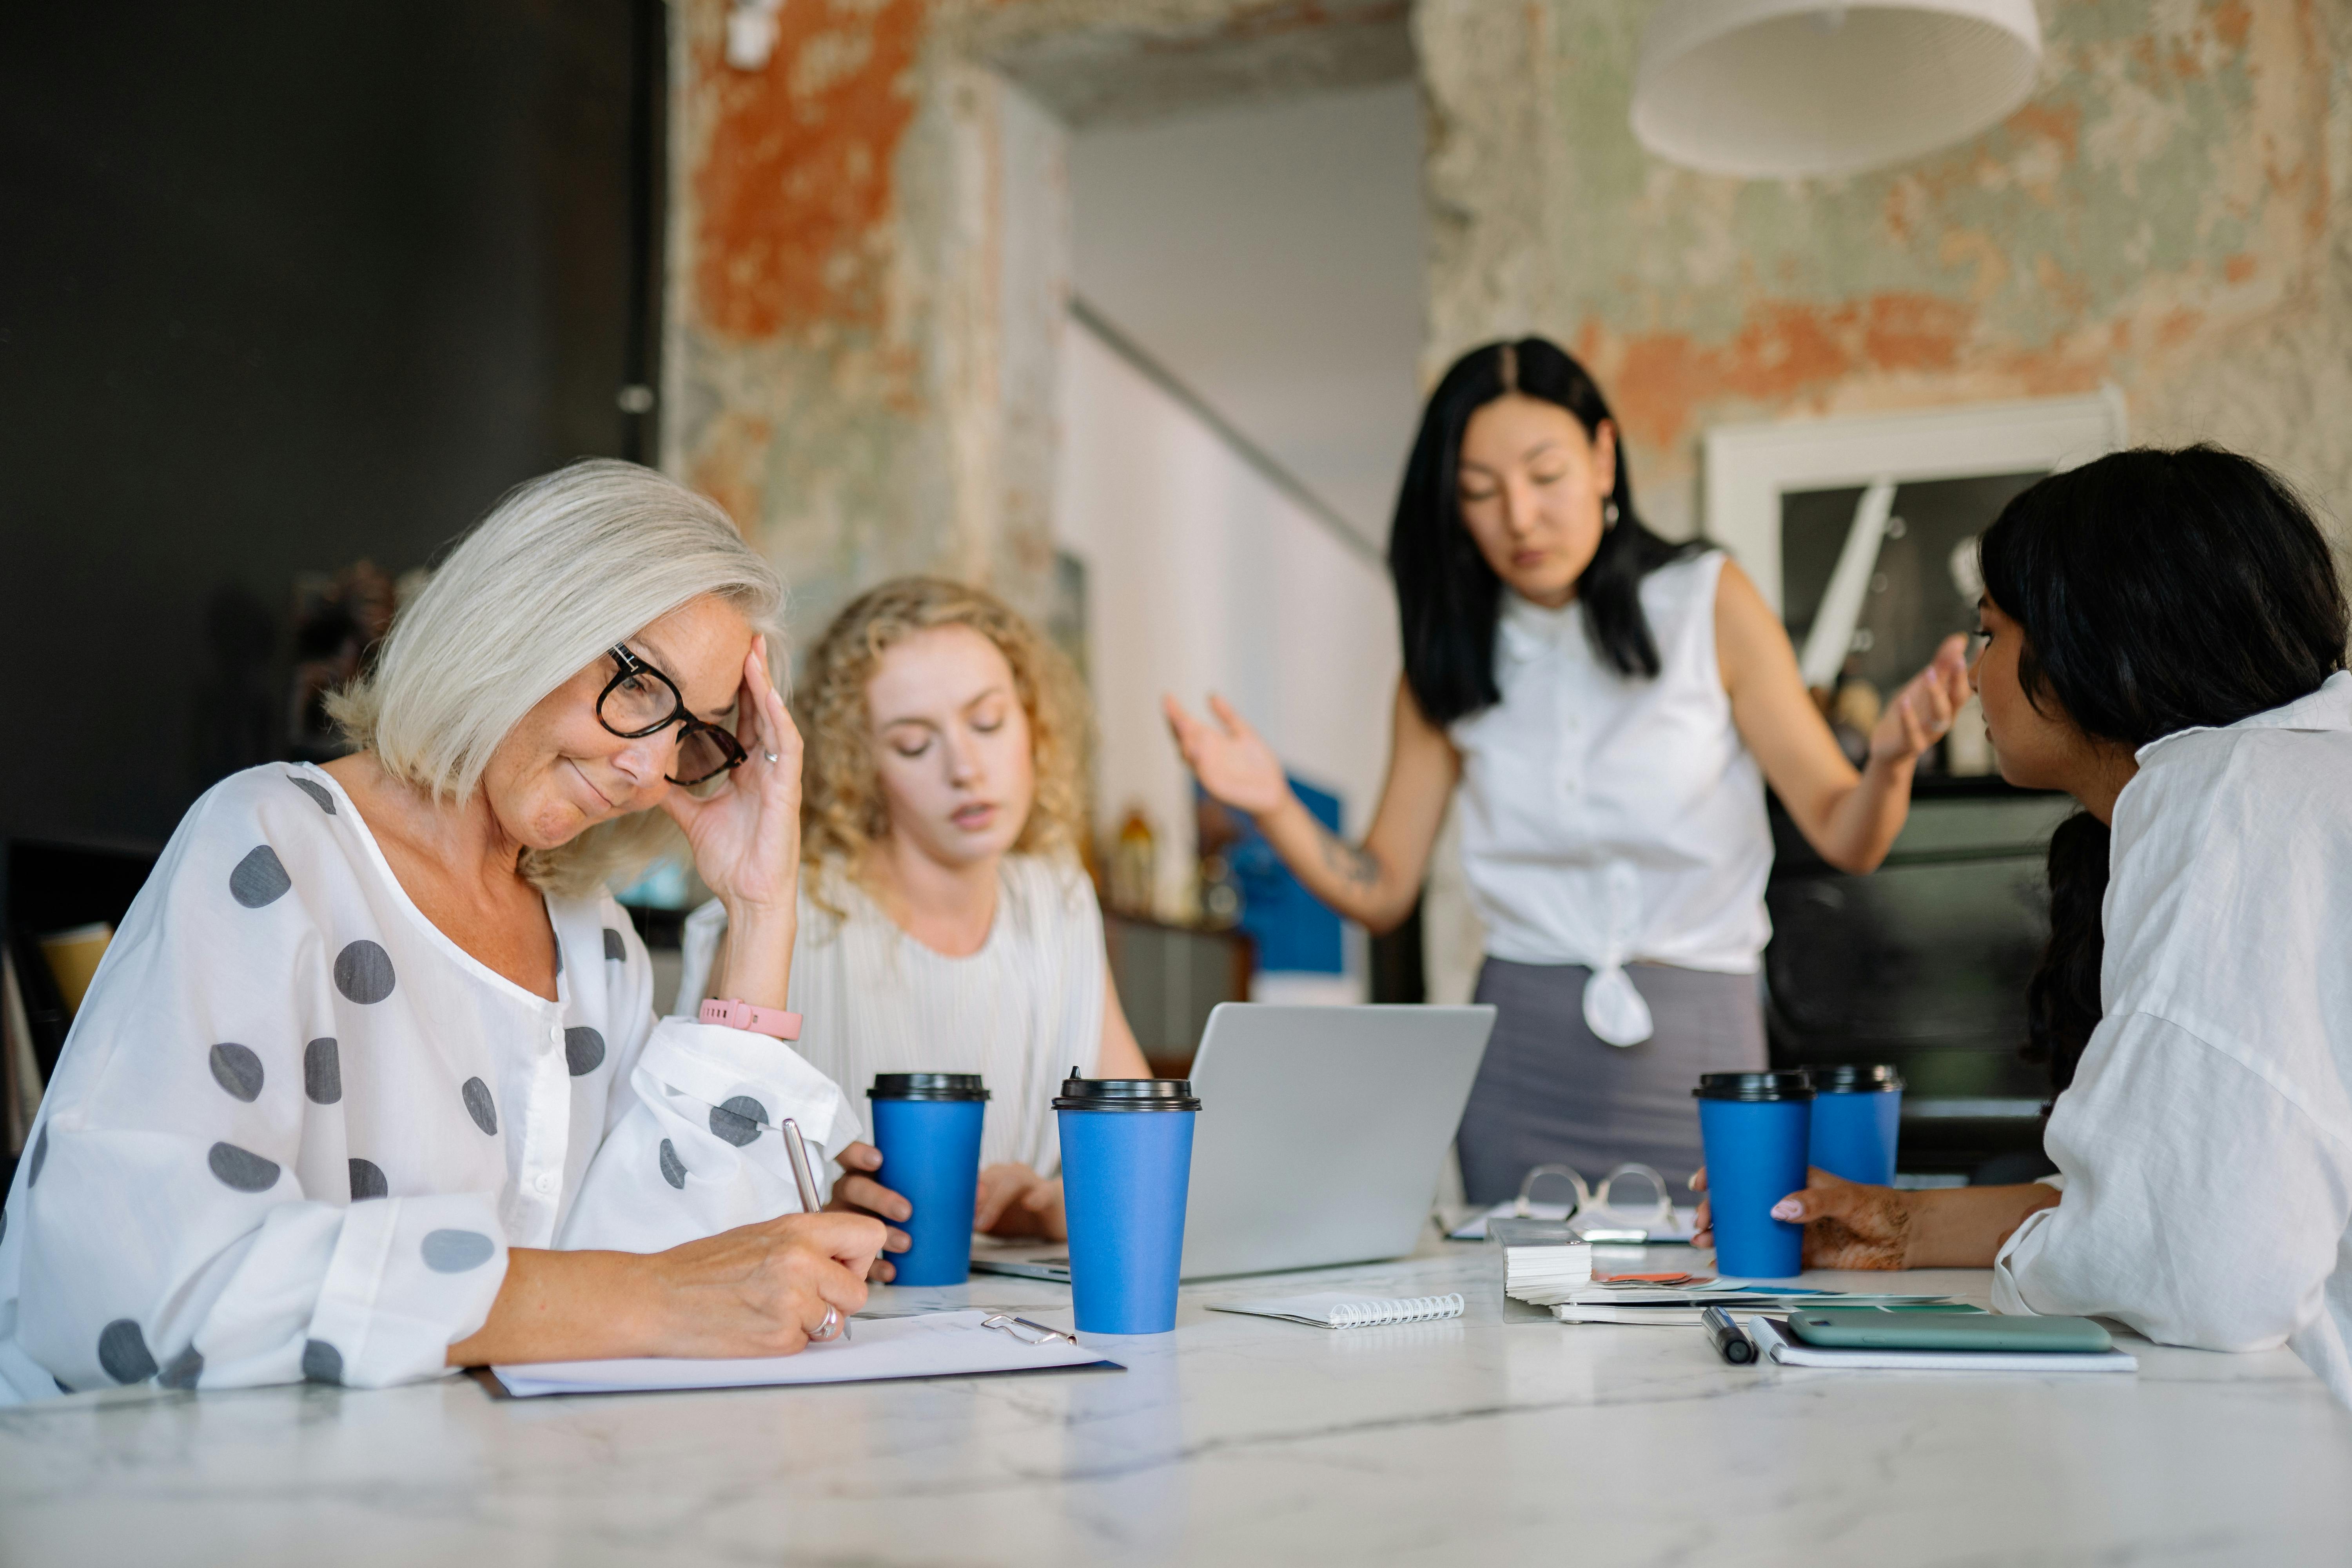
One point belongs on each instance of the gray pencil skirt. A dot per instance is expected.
(1551, 1091)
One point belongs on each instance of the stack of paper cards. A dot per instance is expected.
(1541, 1257)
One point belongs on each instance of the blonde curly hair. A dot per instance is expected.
(843, 814)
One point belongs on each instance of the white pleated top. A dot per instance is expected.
(1608, 819)
(1021, 1012)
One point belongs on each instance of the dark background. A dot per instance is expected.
(284, 286)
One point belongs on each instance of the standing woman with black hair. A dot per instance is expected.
(2166, 643)
(1611, 706)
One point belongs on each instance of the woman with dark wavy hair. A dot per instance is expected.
(2166, 643)
(1611, 706)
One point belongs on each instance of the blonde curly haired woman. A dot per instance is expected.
(945, 922)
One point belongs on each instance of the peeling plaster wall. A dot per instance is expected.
(2170, 213)
(869, 256)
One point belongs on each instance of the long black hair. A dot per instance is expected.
(2158, 591)
(1447, 596)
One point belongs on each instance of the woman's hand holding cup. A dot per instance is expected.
(859, 1193)
(1847, 1224)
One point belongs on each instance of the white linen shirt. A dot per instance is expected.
(1021, 1012)
(2205, 1145)
(1609, 818)
(296, 1127)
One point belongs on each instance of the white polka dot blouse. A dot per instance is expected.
(295, 1128)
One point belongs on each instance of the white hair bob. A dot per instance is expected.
(563, 567)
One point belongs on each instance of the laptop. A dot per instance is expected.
(1321, 1135)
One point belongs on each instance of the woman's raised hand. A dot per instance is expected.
(1229, 759)
(747, 837)
(1923, 710)
(760, 1290)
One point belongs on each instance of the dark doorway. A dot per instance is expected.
(287, 285)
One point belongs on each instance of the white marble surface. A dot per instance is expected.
(1233, 1441)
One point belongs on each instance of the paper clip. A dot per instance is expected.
(1027, 1333)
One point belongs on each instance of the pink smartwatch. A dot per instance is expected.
(735, 1015)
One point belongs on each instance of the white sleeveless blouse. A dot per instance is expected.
(1608, 819)
(1021, 1012)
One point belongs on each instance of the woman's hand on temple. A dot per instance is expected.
(1922, 713)
(1847, 1225)
(1232, 760)
(859, 1193)
(747, 837)
(1015, 1201)
(760, 1290)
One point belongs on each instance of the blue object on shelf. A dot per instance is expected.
(1293, 930)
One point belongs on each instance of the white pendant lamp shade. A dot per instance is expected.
(1772, 88)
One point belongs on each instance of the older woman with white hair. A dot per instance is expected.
(370, 1085)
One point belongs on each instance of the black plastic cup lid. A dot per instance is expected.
(1125, 1094)
(927, 1086)
(1755, 1085)
(1849, 1080)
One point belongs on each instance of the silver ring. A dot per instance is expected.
(830, 1327)
(769, 755)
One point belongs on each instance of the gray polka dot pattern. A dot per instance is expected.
(242, 1168)
(673, 1169)
(455, 1251)
(368, 1182)
(363, 973)
(480, 1107)
(321, 1363)
(319, 792)
(185, 1368)
(614, 948)
(40, 1158)
(238, 1071)
(738, 1120)
(583, 1051)
(258, 878)
(122, 1352)
(322, 1071)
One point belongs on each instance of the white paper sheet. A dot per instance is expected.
(937, 1344)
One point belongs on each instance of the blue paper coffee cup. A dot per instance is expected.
(927, 1125)
(1857, 1115)
(1755, 1126)
(1127, 1163)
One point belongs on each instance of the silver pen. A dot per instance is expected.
(805, 1179)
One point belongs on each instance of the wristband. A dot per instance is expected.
(735, 1015)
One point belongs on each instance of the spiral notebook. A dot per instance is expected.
(1343, 1309)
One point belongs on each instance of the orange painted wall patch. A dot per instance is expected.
(793, 191)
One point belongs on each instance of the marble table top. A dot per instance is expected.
(1233, 1441)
